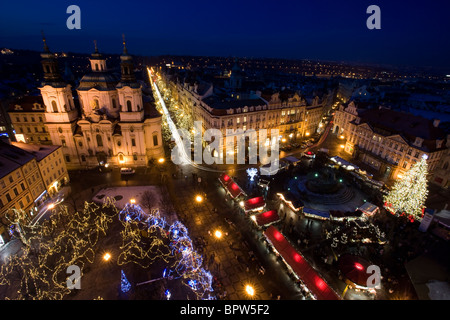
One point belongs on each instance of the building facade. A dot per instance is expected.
(232, 108)
(389, 141)
(21, 184)
(51, 164)
(115, 124)
(28, 119)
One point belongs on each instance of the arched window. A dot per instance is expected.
(96, 67)
(155, 139)
(96, 104)
(120, 157)
(47, 69)
(128, 105)
(114, 105)
(99, 140)
(83, 158)
(54, 106)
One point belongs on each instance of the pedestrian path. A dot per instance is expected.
(231, 264)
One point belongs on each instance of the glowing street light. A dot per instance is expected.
(161, 160)
(106, 256)
(283, 140)
(51, 206)
(342, 146)
(132, 201)
(218, 234)
(199, 198)
(249, 290)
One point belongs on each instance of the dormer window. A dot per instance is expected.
(418, 142)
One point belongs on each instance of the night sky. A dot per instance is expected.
(412, 33)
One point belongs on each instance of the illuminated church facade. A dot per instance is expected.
(116, 124)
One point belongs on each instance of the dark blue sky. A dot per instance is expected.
(412, 33)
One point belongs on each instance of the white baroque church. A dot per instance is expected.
(116, 125)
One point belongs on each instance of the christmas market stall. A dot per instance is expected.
(266, 218)
(299, 266)
(354, 270)
(231, 187)
(253, 205)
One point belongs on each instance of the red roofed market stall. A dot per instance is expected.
(266, 218)
(254, 204)
(231, 187)
(297, 263)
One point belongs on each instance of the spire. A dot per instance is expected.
(125, 51)
(46, 49)
(95, 45)
(50, 66)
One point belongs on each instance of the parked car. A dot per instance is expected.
(127, 171)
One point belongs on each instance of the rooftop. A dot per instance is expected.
(37, 150)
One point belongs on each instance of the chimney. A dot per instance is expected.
(436, 123)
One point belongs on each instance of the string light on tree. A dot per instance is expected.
(252, 172)
(408, 194)
(125, 285)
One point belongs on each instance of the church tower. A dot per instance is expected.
(129, 90)
(60, 112)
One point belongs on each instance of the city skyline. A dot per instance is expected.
(410, 35)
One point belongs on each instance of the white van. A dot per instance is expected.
(127, 171)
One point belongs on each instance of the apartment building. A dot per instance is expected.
(232, 108)
(27, 116)
(390, 141)
(50, 161)
(21, 185)
(29, 175)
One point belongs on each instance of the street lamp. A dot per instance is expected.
(132, 201)
(106, 256)
(249, 290)
(51, 206)
(218, 234)
(199, 198)
(161, 160)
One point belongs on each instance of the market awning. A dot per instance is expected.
(231, 187)
(369, 208)
(291, 159)
(225, 179)
(300, 266)
(340, 215)
(276, 238)
(234, 189)
(354, 268)
(344, 163)
(316, 214)
(252, 204)
(267, 218)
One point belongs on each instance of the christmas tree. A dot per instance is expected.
(125, 285)
(408, 195)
